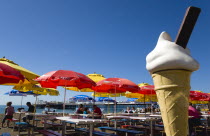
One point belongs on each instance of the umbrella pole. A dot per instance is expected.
(115, 102)
(115, 109)
(93, 104)
(144, 106)
(34, 114)
(64, 103)
(21, 102)
(151, 102)
(94, 93)
(94, 97)
(108, 104)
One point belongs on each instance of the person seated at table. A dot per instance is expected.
(134, 110)
(31, 109)
(86, 110)
(149, 109)
(20, 109)
(80, 109)
(194, 119)
(157, 110)
(47, 109)
(142, 110)
(9, 111)
(97, 111)
(128, 110)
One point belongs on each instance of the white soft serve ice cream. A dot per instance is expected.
(168, 55)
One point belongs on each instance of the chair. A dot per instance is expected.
(36, 120)
(23, 125)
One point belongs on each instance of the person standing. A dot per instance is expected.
(9, 111)
(31, 109)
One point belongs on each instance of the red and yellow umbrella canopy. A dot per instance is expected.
(141, 97)
(98, 94)
(28, 75)
(9, 75)
(147, 90)
(65, 78)
(146, 94)
(116, 85)
(198, 97)
(95, 77)
(37, 89)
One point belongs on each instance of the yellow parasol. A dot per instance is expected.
(133, 95)
(95, 77)
(141, 97)
(97, 94)
(148, 97)
(36, 89)
(143, 84)
(26, 73)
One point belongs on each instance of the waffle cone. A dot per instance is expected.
(172, 89)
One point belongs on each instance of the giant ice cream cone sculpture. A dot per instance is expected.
(172, 88)
(171, 66)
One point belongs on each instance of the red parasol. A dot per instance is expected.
(195, 95)
(65, 78)
(147, 90)
(204, 97)
(116, 85)
(9, 74)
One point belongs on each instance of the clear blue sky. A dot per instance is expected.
(109, 37)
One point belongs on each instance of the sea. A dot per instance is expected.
(104, 108)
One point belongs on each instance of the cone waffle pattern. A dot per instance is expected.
(172, 89)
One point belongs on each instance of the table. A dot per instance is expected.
(39, 115)
(79, 121)
(205, 115)
(159, 116)
(20, 113)
(132, 117)
(121, 114)
(55, 113)
(156, 115)
(78, 116)
(36, 114)
(151, 119)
